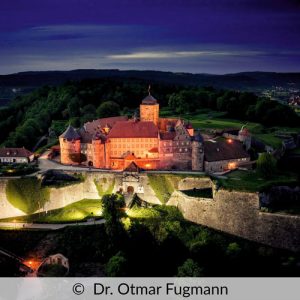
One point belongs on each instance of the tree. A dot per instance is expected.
(73, 107)
(113, 207)
(190, 269)
(116, 266)
(113, 210)
(266, 165)
(233, 250)
(108, 109)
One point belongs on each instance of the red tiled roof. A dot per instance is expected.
(94, 126)
(130, 157)
(154, 150)
(15, 152)
(221, 150)
(131, 129)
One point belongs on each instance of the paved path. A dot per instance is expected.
(46, 164)
(18, 225)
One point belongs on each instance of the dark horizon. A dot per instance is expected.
(149, 70)
(199, 37)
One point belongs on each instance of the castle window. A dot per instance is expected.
(180, 150)
(186, 149)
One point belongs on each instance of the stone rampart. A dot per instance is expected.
(6, 209)
(233, 212)
(238, 213)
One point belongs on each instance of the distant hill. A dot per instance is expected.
(20, 83)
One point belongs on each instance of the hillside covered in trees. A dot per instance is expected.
(243, 81)
(29, 117)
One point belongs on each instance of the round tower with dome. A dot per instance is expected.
(70, 146)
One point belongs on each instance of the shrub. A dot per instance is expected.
(189, 269)
(266, 165)
(116, 266)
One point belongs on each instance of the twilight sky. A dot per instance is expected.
(198, 36)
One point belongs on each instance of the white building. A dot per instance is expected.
(15, 155)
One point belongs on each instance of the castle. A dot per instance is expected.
(148, 142)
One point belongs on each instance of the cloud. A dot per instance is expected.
(180, 54)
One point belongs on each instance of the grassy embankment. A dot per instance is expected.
(100, 185)
(27, 194)
(164, 185)
(251, 181)
(75, 212)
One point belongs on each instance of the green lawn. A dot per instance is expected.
(269, 139)
(206, 119)
(164, 185)
(142, 213)
(250, 181)
(209, 119)
(77, 211)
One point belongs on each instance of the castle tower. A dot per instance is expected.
(98, 153)
(245, 137)
(197, 153)
(70, 147)
(149, 109)
(107, 154)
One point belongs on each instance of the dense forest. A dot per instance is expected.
(29, 117)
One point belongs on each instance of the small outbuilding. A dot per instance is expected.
(15, 155)
(224, 155)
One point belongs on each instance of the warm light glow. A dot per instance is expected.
(33, 263)
(229, 141)
(147, 165)
(232, 166)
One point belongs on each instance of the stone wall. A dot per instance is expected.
(6, 209)
(238, 213)
(60, 197)
(233, 212)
